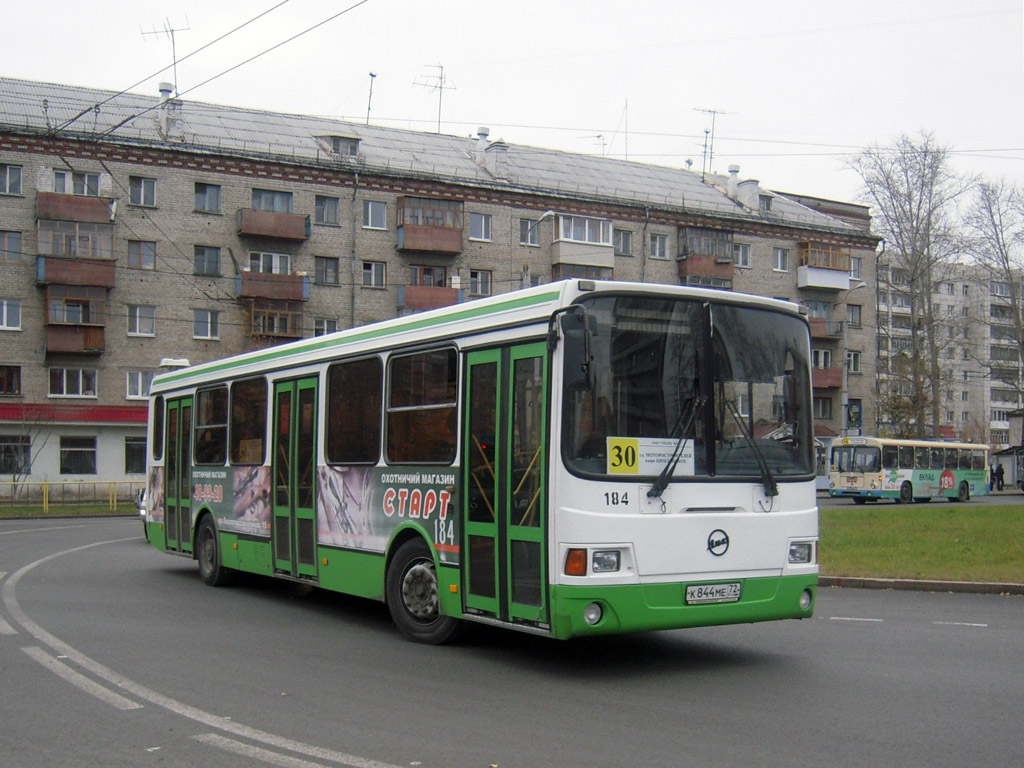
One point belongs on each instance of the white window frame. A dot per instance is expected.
(137, 384)
(206, 324)
(529, 232)
(10, 179)
(741, 255)
(377, 272)
(658, 247)
(324, 325)
(480, 282)
(82, 383)
(585, 229)
(270, 262)
(780, 259)
(622, 242)
(375, 214)
(272, 200)
(853, 361)
(480, 226)
(10, 314)
(141, 322)
(81, 183)
(142, 191)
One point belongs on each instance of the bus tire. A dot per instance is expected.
(860, 500)
(208, 555)
(412, 596)
(906, 493)
(963, 493)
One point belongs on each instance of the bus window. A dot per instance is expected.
(889, 457)
(211, 426)
(248, 421)
(951, 458)
(421, 407)
(866, 460)
(921, 457)
(158, 427)
(977, 460)
(936, 460)
(354, 398)
(906, 457)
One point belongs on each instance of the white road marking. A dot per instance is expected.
(255, 753)
(79, 680)
(854, 618)
(957, 624)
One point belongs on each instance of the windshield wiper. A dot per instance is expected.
(680, 429)
(771, 488)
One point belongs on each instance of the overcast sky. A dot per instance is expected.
(794, 87)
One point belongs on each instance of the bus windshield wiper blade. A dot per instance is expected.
(680, 429)
(771, 488)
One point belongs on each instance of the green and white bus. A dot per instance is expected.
(573, 459)
(872, 468)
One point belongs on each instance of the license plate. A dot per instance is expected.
(697, 594)
(853, 480)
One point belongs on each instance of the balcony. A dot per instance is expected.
(95, 210)
(75, 339)
(707, 268)
(428, 224)
(66, 271)
(825, 329)
(827, 378)
(266, 285)
(823, 265)
(283, 226)
(418, 237)
(418, 298)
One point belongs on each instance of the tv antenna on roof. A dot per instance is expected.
(436, 83)
(709, 148)
(169, 31)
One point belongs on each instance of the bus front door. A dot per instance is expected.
(178, 480)
(504, 486)
(294, 473)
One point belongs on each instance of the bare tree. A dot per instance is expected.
(912, 190)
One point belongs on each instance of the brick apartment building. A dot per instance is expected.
(138, 231)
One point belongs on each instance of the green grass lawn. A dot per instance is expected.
(68, 510)
(924, 541)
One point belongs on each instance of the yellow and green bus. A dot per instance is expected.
(872, 468)
(573, 459)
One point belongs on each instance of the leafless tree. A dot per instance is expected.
(912, 192)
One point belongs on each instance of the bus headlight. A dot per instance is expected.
(801, 552)
(605, 561)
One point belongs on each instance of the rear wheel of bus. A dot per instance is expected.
(963, 493)
(906, 493)
(412, 596)
(208, 555)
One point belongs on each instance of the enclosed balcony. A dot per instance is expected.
(823, 265)
(82, 208)
(284, 226)
(75, 339)
(65, 271)
(425, 224)
(827, 378)
(825, 329)
(267, 285)
(418, 298)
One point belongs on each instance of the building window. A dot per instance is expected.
(207, 198)
(622, 240)
(823, 408)
(855, 265)
(480, 226)
(659, 247)
(853, 361)
(821, 358)
(137, 384)
(324, 325)
(375, 214)
(10, 179)
(528, 232)
(10, 380)
(76, 183)
(709, 242)
(431, 276)
(15, 455)
(10, 314)
(141, 320)
(206, 260)
(135, 455)
(764, 203)
(582, 229)
(205, 324)
(141, 191)
(569, 271)
(78, 455)
(479, 282)
(10, 246)
(373, 274)
(270, 263)
(853, 314)
(277, 318)
(327, 270)
(272, 201)
(72, 382)
(741, 254)
(326, 210)
(72, 238)
(780, 259)
(141, 254)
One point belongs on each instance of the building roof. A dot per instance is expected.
(192, 126)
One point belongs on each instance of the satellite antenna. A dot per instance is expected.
(169, 31)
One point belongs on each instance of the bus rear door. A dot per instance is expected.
(504, 485)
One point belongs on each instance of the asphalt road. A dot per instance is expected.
(113, 654)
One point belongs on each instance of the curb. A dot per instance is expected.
(922, 585)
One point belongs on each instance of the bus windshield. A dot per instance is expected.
(728, 381)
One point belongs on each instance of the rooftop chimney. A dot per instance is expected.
(166, 89)
(734, 180)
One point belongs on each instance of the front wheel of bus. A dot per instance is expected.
(208, 555)
(413, 598)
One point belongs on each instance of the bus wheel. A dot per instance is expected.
(963, 493)
(208, 555)
(906, 493)
(412, 596)
(860, 500)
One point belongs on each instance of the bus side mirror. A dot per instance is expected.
(576, 336)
